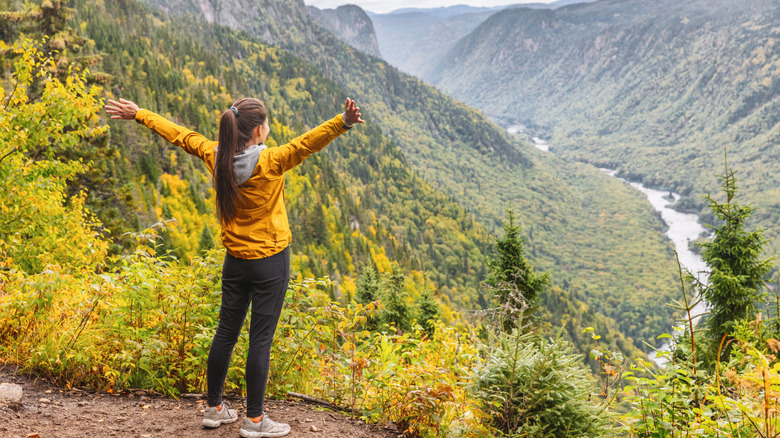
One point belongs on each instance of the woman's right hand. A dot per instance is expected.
(124, 109)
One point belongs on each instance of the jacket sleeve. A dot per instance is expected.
(283, 158)
(192, 142)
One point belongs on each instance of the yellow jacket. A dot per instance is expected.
(261, 228)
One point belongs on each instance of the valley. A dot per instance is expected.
(656, 90)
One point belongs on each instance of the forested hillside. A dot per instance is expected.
(655, 89)
(574, 229)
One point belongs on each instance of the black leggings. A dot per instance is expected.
(264, 283)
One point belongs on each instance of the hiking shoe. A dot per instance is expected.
(265, 428)
(213, 417)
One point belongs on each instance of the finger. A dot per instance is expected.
(124, 100)
(112, 108)
(116, 117)
(113, 102)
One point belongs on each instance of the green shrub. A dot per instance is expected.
(538, 388)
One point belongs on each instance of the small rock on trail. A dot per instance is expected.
(10, 394)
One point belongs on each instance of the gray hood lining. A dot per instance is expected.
(244, 163)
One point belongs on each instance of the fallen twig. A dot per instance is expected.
(311, 399)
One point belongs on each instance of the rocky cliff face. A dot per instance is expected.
(351, 25)
(272, 21)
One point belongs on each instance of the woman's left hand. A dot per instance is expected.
(124, 109)
(351, 113)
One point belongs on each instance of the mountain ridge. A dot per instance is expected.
(416, 39)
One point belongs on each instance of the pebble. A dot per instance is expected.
(313, 428)
(44, 400)
(10, 393)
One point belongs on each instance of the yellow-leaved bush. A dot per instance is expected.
(35, 215)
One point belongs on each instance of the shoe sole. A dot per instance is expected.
(216, 423)
(247, 434)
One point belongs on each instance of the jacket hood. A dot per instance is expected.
(244, 162)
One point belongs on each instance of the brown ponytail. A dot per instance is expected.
(235, 130)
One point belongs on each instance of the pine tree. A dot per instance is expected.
(368, 286)
(428, 311)
(514, 281)
(206, 239)
(734, 260)
(396, 308)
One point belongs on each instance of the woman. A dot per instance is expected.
(249, 182)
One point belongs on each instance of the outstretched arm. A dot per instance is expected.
(276, 161)
(192, 142)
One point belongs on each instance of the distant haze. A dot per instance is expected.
(384, 6)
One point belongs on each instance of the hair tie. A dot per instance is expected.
(235, 110)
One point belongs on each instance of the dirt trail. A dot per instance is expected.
(49, 411)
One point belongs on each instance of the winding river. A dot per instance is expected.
(683, 228)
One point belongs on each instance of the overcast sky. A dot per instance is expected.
(382, 6)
